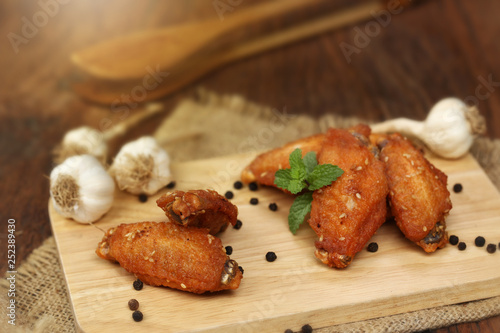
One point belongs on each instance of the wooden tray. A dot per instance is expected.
(296, 289)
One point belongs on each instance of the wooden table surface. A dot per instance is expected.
(437, 49)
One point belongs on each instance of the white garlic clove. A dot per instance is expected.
(141, 166)
(81, 189)
(447, 129)
(82, 140)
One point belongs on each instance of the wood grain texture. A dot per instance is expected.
(296, 288)
(437, 49)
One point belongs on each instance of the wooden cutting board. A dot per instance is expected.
(296, 289)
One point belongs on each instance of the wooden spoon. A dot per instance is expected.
(119, 92)
(125, 58)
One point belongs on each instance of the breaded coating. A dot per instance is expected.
(171, 255)
(264, 166)
(346, 214)
(199, 208)
(418, 195)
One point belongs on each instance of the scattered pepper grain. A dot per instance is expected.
(273, 206)
(307, 329)
(133, 304)
(288, 330)
(253, 186)
(137, 315)
(453, 240)
(229, 195)
(254, 201)
(143, 197)
(238, 185)
(491, 248)
(462, 246)
(271, 256)
(372, 247)
(138, 284)
(229, 250)
(170, 185)
(457, 188)
(479, 241)
(238, 224)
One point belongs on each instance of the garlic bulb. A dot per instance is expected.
(81, 189)
(448, 130)
(141, 166)
(82, 140)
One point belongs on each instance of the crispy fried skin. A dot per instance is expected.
(171, 255)
(346, 214)
(264, 166)
(418, 195)
(199, 208)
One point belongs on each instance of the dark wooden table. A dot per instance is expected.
(437, 49)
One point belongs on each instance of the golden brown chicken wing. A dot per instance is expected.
(418, 195)
(264, 166)
(346, 214)
(171, 255)
(199, 208)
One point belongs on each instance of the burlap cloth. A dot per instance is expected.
(211, 125)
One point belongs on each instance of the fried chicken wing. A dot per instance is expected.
(200, 208)
(264, 166)
(346, 214)
(418, 195)
(171, 255)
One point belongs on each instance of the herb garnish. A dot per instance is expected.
(304, 174)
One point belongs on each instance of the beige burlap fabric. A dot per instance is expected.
(211, 125)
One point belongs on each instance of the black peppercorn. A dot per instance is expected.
(238, 225)
(143, 197)
(253, 186)
(229, 250)
(479, 241)
(254, 201)
(271, 256)
(457, 188)
(462, 246)
(137, 315)
(138, 284)
(288, 330)
(453, 240)
(170, 185)
(307, 329)
(229, 195)
(491, 248)
(372, 247)
(273, 207)
(238, 185)
(133, 304)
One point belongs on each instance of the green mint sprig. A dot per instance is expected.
(304, 174)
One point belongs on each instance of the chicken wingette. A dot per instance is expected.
(171, 255)
(347, 213)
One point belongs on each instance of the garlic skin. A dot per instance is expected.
(448, 131)
(82, 140)
(447, 128)
(81, 189)
(141, 167)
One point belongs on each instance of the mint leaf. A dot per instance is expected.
(323, 175)
(295, 186)
(282, 178)
(310, 162)
(298, 211)
(297, 166)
